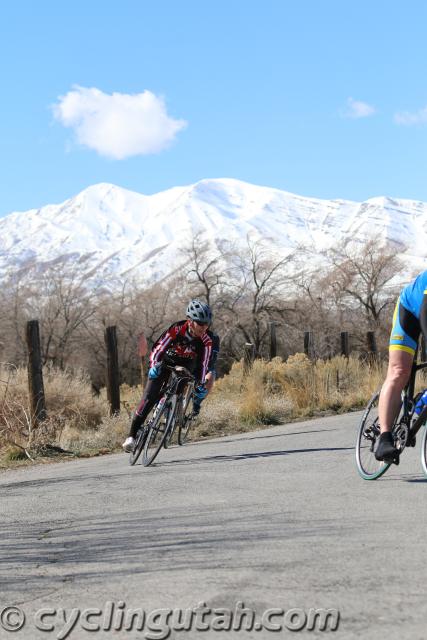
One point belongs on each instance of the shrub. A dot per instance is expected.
(271, 393)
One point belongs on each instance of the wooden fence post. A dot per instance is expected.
(113, 377)
(345, 351)
(372, 346)
(35, 373)
(308, 344)
(273, 340)
(248, 358)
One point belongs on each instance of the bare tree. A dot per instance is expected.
(205, 268)
(63, 299)
(259, 291)
(15, 310)
(364, 276)
(352, 289)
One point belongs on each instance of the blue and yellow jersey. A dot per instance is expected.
(412, 295)
(407, 320)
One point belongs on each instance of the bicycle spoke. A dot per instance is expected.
(368, 466)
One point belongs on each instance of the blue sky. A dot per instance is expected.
(325, 98)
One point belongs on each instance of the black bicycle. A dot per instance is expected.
(405, 429)
(172, 410)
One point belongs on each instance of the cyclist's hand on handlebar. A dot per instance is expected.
(154, 372)
(200, 392)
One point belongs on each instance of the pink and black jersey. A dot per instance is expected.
(181, 348)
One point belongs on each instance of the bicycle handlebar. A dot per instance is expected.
(182, 372)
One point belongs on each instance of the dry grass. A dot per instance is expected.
(275, 392)
(272, 393)
(71, 408)
(338, 384)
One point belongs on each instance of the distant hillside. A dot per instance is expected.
(117, 232)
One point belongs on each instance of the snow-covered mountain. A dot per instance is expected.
(122, 233)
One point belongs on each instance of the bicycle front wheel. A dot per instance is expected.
(369, 431)
(159, 429)
(139, 445)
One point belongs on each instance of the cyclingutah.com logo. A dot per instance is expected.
(158, 624)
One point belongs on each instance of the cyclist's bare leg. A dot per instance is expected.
(399, 370)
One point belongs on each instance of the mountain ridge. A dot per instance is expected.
(123, 232)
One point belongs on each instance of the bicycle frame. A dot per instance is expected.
(179, 375)
(170, 387)
(408, 402)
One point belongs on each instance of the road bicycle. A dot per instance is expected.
(405, 429)
(171, 411)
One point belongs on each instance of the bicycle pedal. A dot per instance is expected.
(395, 459)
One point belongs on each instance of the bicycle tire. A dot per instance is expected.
(184, 428)
(185, 418)
(172, 420)
(368, 466)
(424, 450)
(158, 432)
(139, 445)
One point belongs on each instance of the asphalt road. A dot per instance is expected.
(276, 519)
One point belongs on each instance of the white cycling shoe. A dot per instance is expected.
(128, 444)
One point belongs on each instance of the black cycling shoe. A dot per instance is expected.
(196, 408)
(385, 450)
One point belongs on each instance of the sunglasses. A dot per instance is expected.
(201, 324)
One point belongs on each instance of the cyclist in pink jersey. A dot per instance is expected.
(186, 343)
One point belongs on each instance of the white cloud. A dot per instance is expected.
(358, 109)
(118, 125)
(407, 118)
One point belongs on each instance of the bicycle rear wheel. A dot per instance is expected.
(172, 418)
(369, 430)
(159, 427)
(186, 417)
